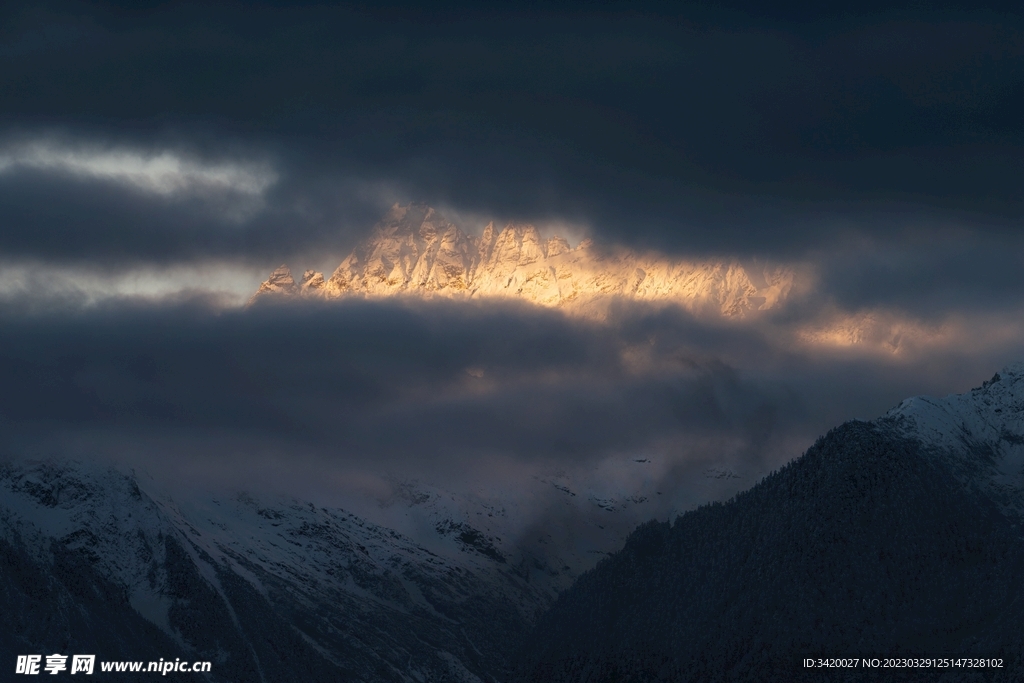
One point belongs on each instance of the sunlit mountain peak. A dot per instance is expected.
(415, 251)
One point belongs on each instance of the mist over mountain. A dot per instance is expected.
(106, 560)
(896, 537)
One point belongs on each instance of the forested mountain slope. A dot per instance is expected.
(871, 544)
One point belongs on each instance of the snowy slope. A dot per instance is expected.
(441, 585)
(549, 526)
(980, 432)
(220, 577)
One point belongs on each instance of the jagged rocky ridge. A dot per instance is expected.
(414, 251)
(898, 537)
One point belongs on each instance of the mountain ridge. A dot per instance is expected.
(899, 537)
(87, 549)
(277, 590)
(414, 251)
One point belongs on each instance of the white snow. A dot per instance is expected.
(981, 431)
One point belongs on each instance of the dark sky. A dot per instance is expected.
(682, 126)
(878, 147)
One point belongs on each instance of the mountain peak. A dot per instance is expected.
(416, 251)
(980, 432)
(280, 283)
(1015, 369)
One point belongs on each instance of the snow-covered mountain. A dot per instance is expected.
(551, 527)
(900, 536)
(414, 251)
(277, 590)
(979, 433)
(442, 588)
(440, 585)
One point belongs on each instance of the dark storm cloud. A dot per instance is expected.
(724, 130)
(436, 388)
(931, 273)
(61, 217)
(883, 144)
(368, 385)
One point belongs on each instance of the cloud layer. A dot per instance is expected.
(435, 388)
(735, 130)
(144, 150)
(163, 173)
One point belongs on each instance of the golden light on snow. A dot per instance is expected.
(898, 334)
(415, 252)
(880, 331)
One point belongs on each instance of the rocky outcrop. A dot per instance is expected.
(280, 283)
